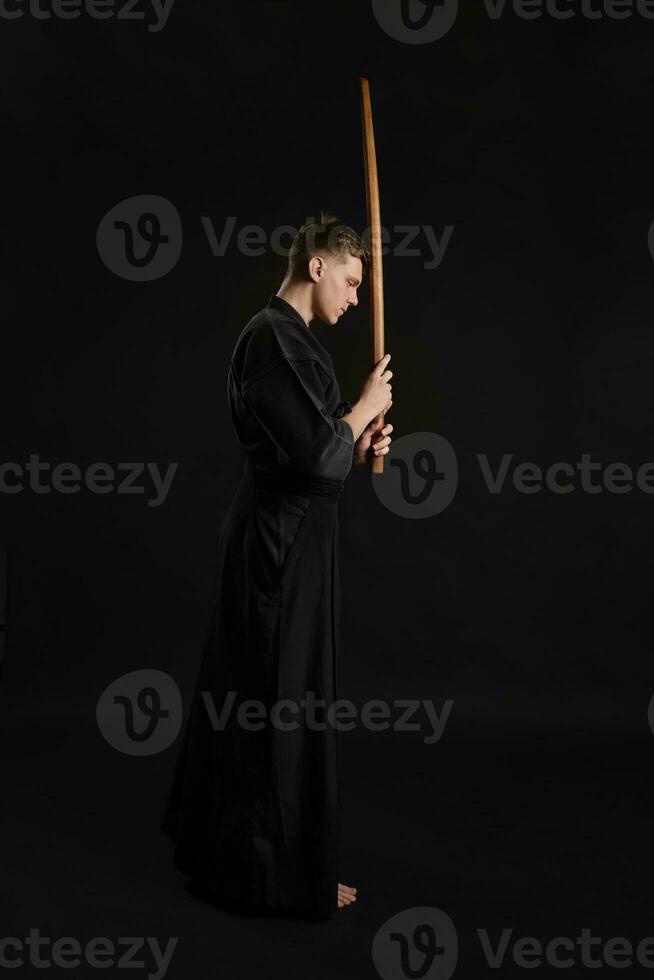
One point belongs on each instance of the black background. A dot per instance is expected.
(532, 138)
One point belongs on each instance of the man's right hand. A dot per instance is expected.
(376, 392)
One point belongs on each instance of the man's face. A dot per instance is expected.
(336, 289)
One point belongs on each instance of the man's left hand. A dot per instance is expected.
(371, 443)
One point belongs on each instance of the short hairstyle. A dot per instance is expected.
(329, 236)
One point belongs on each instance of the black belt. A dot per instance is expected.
(319, 486)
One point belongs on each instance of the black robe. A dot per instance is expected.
(255, 813)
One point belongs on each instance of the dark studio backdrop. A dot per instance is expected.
(522, 146)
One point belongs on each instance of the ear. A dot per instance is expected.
(316, 267)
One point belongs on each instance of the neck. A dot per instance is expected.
(298, 295)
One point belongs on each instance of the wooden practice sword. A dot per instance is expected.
(374, 223)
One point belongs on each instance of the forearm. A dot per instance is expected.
(358, 418)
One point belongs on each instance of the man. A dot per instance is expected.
(254, 802)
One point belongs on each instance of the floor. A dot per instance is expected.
(540, 836)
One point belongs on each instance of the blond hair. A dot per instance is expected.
(329, 236)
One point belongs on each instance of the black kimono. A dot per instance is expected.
(255, 813)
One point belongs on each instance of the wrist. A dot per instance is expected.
(359, 418)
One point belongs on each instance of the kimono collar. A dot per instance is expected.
(323, 354)
(280, 304)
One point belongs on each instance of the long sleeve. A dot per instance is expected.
(288, 401)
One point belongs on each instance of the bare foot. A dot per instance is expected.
(346, 895)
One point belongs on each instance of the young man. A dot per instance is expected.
(254, 803)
